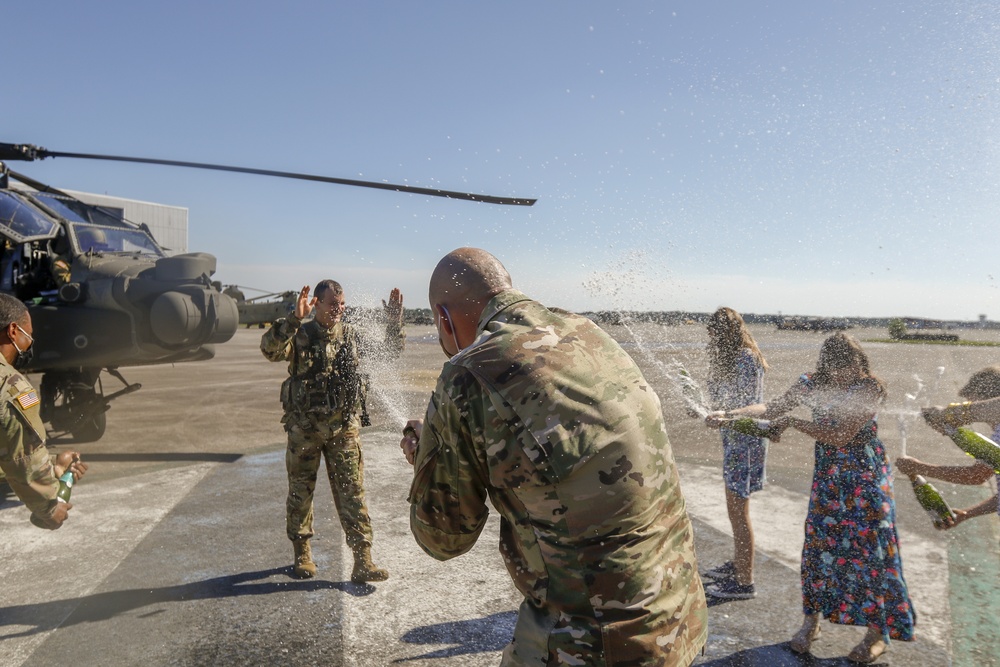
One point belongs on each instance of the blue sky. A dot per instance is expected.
(828, 158)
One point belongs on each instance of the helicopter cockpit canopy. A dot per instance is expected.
(76, 211)
(99, 229)
(102, 239)
(22, 222)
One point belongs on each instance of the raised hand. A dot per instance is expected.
(304, 305)
(394, 309)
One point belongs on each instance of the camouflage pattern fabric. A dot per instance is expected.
(548, 417)
(341, 448)
(324, 408)
(324, 378)
(24, 458)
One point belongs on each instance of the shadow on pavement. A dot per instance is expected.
(777, 655)
(209, 457)
(103, 606)
(478, 635)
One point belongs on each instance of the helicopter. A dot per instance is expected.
(262, 309)
(103, 294)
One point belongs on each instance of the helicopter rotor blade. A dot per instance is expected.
(30, 152)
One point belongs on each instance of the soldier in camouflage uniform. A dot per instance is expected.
(29, 470)
(324, 403)
(542, 412)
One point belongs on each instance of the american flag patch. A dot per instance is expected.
(27, 399)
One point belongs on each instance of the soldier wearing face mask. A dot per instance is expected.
(543, 416)
(24, 459)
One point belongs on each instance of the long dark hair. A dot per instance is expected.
(839, 351)
(728, 335)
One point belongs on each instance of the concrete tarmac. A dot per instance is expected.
(175, 552)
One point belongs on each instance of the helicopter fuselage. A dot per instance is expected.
(102, 295)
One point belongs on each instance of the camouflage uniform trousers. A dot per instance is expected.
(340, 446)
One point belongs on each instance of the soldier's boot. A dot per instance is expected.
(304, 567)
(365, 569)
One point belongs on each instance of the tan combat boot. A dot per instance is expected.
(365, 569)
(304, 567)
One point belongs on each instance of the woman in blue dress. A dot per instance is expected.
(735, 379)
(851, 568)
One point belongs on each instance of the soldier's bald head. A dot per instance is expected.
(468, 277)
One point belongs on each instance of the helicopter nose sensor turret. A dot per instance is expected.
(177, 318)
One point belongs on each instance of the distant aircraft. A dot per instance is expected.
(264, 309)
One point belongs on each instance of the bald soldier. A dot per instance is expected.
(541, 411)
(31, 472)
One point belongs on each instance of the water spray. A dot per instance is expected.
(677, 376)
(913, 404)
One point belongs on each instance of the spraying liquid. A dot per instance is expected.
(911, 411)
(677, 376)
(384, 371)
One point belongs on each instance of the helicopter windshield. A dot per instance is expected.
(22, 222)
(77, 211)
(102, 239)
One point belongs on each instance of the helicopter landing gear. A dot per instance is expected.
(74, 402)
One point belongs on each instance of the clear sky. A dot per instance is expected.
(827, 158)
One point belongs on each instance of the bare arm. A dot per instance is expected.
(972, 475)
(960, 414)
(988, 506)
(785, 403)
(844, 425)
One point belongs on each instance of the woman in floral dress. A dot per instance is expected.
(851, 568)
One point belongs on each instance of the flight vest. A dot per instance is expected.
(325, 379)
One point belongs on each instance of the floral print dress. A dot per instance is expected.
(851, 568)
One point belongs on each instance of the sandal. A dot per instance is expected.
(865, 653)
(804, 638)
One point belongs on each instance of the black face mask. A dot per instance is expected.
(23, 358)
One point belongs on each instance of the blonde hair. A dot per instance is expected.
(727, 337)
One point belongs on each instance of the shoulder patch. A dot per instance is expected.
(28, 399)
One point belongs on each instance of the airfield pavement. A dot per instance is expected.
(175, 552)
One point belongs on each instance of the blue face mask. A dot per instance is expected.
(454, 336)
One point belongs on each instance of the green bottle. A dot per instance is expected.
(931, 500)
(977, 446)
(65, 487)
(757, 428)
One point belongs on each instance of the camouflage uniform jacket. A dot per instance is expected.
(325, 382)
(23, 456)
(550, 418)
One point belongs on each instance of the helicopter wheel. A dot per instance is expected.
(71, 404)
(91, 428)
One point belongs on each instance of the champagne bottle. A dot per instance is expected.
(977, 446)
(757, 428)
(931, 500)
(65, 487)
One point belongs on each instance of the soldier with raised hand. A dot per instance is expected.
(544, 413)
(324, 404)
(26, 463)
